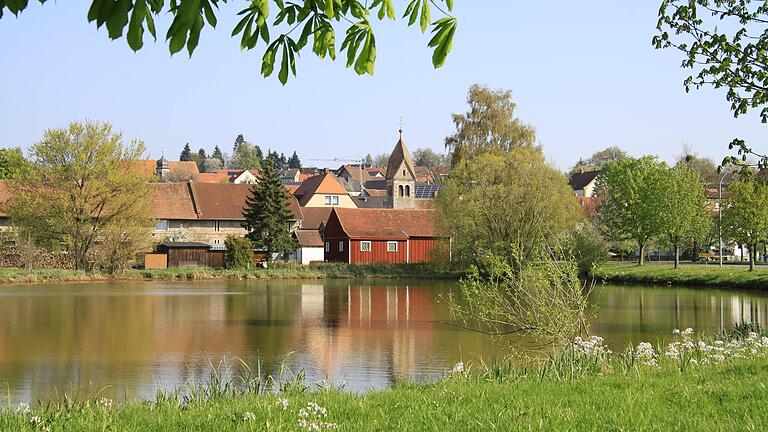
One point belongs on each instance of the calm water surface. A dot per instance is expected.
(129, 339)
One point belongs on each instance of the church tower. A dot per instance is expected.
(162, 169)
(401, 178)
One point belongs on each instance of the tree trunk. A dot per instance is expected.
(695, 251)
(677, 255)
(641, 259)
(752, 251)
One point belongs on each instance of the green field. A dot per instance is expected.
(276, 271)
(728, 276)
(707, 398)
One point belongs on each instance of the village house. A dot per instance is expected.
(208, 212)
(323, 190)
(583, 183)
(364, 236)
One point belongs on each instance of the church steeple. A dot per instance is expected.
(401, 177)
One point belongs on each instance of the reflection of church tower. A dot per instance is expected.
(401, 178)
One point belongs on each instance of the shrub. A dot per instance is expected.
(588, 247)
(239, 252)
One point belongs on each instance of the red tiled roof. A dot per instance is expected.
(323, 183)
(173, 201)
(217, 177)
(315, 216)
(309, 238)
(369, 223)
(149, 166)
(225, 201)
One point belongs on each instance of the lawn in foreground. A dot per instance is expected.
(731, 396)
(728, 276)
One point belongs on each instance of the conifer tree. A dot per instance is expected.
(217, 154)
(294, 161)
(186, 154)
(283, 161)
(202, 154)
(239, 140)
(267, 214)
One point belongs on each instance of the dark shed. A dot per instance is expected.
(192, 255)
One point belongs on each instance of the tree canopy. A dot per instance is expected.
(745, 214)
(687, 215)
(510, 204)
(83, 192)
(600, 159)
(489, 124)
(317, 21)
(633, 193)
(725, 44)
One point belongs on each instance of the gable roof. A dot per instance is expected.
(224, 201)
(309, 238)
(580, 180)
(150, 166)
(173, 201)
(315, 216)
(324, 183)
(216, 177)
(376, 223)
(399, 155)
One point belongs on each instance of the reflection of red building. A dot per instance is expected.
(360, 236)
(391, 307)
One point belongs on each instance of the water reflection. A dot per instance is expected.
(138, 337)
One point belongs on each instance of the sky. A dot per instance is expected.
(583, 73)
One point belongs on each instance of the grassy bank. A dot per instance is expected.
(276, 271)
(573, 392)
(728, 276)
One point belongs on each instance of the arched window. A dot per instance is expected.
(407, 190)
(401, 190)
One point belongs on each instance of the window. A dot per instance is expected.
(365, 246)
(335, 199)
(327, 246)
(341, 246)
(392, 246)
(161, 225)
(403, 173)
(327, 200)
(216, 226)
(401, 190)
(407, 190)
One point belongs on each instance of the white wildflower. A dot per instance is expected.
(645, 354)
(458, 368)
(36, 420)
(105, 403)
(283, 403)
(594, 346)
(311, 418)
(23, 408)
(249, 416)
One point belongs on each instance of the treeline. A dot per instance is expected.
(245, 155)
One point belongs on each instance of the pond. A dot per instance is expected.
(129, 339)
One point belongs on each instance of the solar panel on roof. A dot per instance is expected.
(427, 191)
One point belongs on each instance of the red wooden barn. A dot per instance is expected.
(376, 235)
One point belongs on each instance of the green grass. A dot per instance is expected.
(275, 271)
(724, 397)
(728, 276)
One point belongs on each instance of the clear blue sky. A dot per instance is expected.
(584, 73)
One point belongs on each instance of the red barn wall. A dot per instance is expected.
(378, 253)
(421, 249)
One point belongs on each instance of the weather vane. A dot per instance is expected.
(401, 124)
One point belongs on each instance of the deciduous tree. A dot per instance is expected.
(11, 160)
(745, 214)
(81, 189)
(687, 214)
(725, 44)
(274, 22)
(633, 193)
(510, 204)
(489, 124)
(426, 157)
(600, 159)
